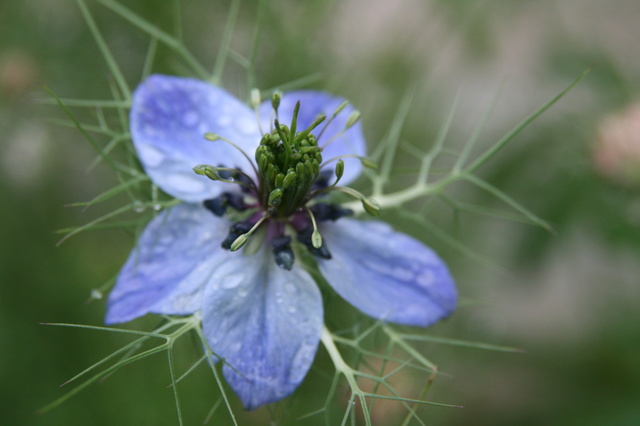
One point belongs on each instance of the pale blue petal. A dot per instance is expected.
(170, 115)
(386, 274)
(265, 322)
(174, 258)
(313, 103)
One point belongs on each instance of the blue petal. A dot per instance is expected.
(174, 258)
(265, 322)
(169, 117)
(312, 104)
(386, 274)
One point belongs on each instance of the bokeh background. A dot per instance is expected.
(569, 299)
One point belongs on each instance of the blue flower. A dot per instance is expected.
(261, 310)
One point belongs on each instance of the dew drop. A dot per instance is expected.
(232, 281)
(138, 207)
(292, 309)
(96, 294)
(157, 207)
(290, 288)
(242, 292)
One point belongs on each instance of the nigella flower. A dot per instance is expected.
(229, 251)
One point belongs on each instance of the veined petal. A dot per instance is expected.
(312, 104)
(166, 272)
(386, 274)
(170, 115)
(265, 322)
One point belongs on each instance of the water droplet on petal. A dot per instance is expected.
(232, 281)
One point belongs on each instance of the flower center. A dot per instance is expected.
(288, 166)
(288, 176)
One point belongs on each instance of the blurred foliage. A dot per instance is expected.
(567, 376)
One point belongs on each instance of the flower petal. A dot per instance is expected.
(313, 103)
(265, 322)
(169, 117)
(387, 274)
(175, 256)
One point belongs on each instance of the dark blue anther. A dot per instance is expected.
(282, 251)
(323, 212)
(323, 180)
(236, 177)
(218, 205)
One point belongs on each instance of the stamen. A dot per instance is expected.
(353, 118)
(214, 137)
(338, 110)
(275, 101)
(366, 162)
(285, 142)
(255, 103)
(316, 238)
(214, 174)
(303, 135)
(294, 120)
(235, 231)
(243, 238)
(305, 237)
(370, 205)
(339, 171)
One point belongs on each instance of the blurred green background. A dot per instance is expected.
(570, 300)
